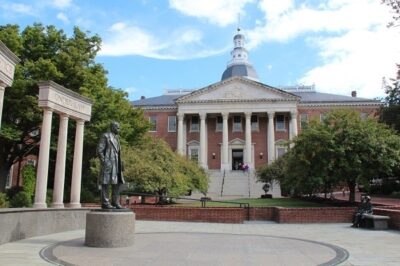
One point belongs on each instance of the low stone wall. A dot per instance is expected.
(17, 224)
(314, 215)
(194, 214)
(393, 213)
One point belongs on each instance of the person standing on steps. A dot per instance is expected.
(109, 152)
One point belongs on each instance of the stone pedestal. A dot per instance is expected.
(110, 229)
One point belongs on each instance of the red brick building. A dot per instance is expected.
(239, 120)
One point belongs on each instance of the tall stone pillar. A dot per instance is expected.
(248, 139)
(180, 134)
(43, 163)
(203, 141)
(2, 89)
(225, 140)
(293, 124)
(59, 178)
(271, 137)
(77, 166)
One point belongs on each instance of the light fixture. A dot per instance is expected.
(261, 155)
(213, 155)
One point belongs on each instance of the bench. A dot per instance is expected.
(377, 222)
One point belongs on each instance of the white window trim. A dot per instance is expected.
(190, 148)
(152, 125)
(198, 128)
(216, 125)
(284, 124)
(233, 124)
(301, 121)
(257, 127)
(280, 144)
(174, 130)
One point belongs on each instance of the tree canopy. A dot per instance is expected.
(343, 148)
(49, 54)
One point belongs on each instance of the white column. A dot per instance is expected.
(43, 162)
(225, 139)
(180, 134)
(77, 166)
(2, 89)
(271, 137)
(203, 141)
(293, 124)
(59, 177)
(248, 139)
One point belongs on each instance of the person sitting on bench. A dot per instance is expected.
(364, 208)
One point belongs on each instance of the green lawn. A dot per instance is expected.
(282, 202)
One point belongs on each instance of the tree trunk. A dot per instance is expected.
(352, 189)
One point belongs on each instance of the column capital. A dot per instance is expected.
(80, 122)
(63, 116)
(203, 115)
(271, 114)
(225, 115)
(247, 114)
(293, 113)
(180, 116)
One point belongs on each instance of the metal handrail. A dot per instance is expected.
(223, 183)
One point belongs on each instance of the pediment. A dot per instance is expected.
(237, 141)
(237, 89)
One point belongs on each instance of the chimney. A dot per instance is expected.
(142, 97)
(353, 94)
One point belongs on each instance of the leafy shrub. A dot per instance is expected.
(29, 177)
(21, 199)
(3, 200)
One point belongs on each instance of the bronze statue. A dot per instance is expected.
(109, 152)
(365, 207)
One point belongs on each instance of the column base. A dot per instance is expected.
(40, 205)
(74, 205)
(204, 166)
(57, 205)
(225, 167)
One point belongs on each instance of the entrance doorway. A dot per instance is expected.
(237, 159)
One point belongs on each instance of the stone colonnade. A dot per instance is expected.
(225, 141)
(67, 104)
(8, 60)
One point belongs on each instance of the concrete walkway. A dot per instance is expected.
(365, 247)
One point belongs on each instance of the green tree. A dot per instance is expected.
(49, 54)
(153, 167)
(344, 148)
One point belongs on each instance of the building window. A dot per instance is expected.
(31, 162)
(303, 121)
(280, 151)
(171, 123)
(237, 123)
(194, 124)
(254, 123)
(153, 123)
(322, 117)
(194, 154)
(219, 125)
(9, 177)
(280, 123)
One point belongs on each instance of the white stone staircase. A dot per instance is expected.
(235, 184)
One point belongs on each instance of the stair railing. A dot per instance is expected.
(223, 182)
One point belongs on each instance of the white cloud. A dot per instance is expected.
(61, 16)
(219, 12)
(61, 3)
(19, 8)
(132, 40)
(355, 47)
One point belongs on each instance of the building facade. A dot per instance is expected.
(239, 120)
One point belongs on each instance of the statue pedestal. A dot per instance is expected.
(110, 228)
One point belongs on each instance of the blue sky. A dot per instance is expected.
(153, 45)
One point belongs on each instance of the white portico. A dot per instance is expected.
(230, 98)
(8, 60)
(67, 104)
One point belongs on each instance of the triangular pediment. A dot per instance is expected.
(237, 89)
(237, 141)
